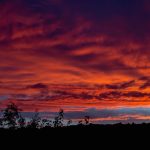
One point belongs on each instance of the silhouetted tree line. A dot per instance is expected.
(13, 119)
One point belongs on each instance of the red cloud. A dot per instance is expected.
(48, 42)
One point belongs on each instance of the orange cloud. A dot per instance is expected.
(85, 58)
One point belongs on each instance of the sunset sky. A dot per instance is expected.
(88, 57)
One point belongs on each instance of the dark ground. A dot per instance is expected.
(79, 137)
(80, 130)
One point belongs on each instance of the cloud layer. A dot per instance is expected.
(62, 53)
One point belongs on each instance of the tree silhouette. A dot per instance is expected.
(87, 120)
(21, 122)
(1, 122)
(46, 123)
(58, 122)
(34, 123)
(12, 118)
(10, 115)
